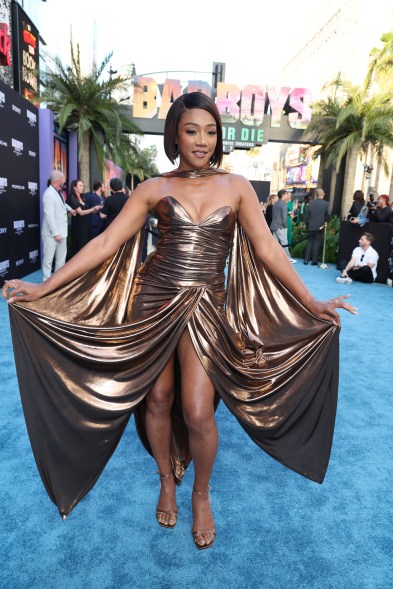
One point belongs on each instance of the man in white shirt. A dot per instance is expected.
(363, 264)
(54, 225)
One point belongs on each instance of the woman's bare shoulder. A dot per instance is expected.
(241, 184)
(148, 189)
(151, 184)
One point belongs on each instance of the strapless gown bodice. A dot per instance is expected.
(189, 253)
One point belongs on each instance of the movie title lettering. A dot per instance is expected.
(249, 106)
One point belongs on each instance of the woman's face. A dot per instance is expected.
(79, 187)
(196, 139)
(381, 202)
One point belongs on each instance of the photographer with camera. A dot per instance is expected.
(382, 213)
(362, 266)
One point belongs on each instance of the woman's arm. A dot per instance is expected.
(125, 225)
(271, 253)
(83, 212)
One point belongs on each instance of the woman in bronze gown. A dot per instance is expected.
(165, 340)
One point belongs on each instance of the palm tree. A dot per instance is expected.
(380, 75)
(380, 68)
(322, 127)
(349, 126)
(84, 103)
(143, 165)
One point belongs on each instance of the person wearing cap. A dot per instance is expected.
(114, 203)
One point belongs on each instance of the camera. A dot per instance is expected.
(371, 202)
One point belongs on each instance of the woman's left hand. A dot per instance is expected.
(327, 309)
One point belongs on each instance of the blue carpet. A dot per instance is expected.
(276, 530)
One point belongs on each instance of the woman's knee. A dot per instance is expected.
(160, 400)
(199, 420)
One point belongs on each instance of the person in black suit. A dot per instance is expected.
(317, 213)
(114, 203)
(95, 198)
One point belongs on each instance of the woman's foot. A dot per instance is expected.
(203, 529)
(167, 509)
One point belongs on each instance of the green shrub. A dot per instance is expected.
(299, 239)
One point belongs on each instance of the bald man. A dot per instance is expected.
(316, 215)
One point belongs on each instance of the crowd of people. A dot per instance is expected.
(90, 214)
(281, 212)
(314, 212)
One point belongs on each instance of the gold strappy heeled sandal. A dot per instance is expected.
(197, 533)
(172, 513)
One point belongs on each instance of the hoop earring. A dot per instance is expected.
(176, 151)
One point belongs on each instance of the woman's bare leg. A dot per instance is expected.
(198, 411)
(158, 425)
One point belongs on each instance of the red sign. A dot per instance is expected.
(5, 45)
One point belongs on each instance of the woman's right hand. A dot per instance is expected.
(19, 291)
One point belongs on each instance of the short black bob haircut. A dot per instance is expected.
(178, 108)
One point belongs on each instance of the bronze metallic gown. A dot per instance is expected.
(88, 354)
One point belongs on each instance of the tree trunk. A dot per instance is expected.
(391, 186)
(322, 164)
(333, 188)
(349, 180)
(84, 162)
(377, 175)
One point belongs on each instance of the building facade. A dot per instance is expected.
(339, 41)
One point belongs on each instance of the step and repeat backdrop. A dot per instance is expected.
(19, 194)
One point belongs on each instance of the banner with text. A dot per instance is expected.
(250, 116)
(19, 197)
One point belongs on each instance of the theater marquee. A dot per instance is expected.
(26, 55)
(251, 116)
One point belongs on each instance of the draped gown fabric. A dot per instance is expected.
(88, 354)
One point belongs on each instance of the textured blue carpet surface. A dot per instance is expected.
(276, 530)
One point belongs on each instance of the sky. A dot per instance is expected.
(251, 37)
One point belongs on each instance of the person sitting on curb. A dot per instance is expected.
(362, 267)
